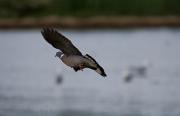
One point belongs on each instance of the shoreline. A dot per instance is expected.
(91, 22)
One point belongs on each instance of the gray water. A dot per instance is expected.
(28, 71)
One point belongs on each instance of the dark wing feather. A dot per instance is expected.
(59, 41)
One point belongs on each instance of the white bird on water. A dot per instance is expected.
(136, 71)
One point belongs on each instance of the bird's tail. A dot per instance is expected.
(98, 69)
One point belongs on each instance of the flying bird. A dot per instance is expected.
(69, 54)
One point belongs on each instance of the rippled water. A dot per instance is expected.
(28, 71)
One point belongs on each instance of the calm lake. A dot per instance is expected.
(29, 72)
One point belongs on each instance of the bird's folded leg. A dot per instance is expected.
(81, 67)
(76, 69)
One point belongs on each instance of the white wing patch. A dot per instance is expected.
(98, 71)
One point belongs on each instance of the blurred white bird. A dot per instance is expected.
(136, 71)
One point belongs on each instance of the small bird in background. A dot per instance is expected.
(136, 71)
(128, 76)
(69, 54)
(59, 79)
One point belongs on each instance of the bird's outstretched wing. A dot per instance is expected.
(59, 41)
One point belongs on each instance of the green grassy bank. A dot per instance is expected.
(88, 8)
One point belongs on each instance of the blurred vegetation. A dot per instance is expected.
(85, 8)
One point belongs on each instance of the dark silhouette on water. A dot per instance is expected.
(59, 79)
(69, 54)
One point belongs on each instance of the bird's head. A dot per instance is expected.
(59, 54)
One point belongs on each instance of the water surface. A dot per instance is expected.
(28, 71)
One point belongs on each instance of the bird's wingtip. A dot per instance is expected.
(104, 75)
